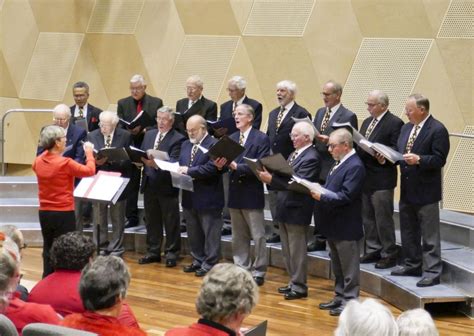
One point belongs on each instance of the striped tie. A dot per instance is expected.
(158, 142)
(371, 128)
(334, 167)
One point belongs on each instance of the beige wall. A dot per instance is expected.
(400, 46)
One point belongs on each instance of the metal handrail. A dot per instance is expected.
(2, 140)
(461, 135)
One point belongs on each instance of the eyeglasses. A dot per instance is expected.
(137, 89)
(325, 94)
(60, 119)
(332, 146)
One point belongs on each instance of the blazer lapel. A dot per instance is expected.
(423, 133)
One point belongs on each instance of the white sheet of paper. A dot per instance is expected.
(108, 188)
(83, 186)
(168, 166)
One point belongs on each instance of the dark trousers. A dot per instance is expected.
(54, 224)
(131, 210)
(162, 210)
(345, 265)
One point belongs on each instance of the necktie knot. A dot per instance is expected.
(81, 112)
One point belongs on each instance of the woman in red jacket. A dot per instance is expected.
(55, 174)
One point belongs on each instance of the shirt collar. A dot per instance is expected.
(348, 155)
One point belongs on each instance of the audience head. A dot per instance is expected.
(417, 108)
(302, 134)
(194, 87)
(104, 284)
(243, 116)
(286, 91)
(236, 88)
(164, 118)
(52, 137)
(196, 128)
(108, 120)
(72, 251)
(80, 92)
(366, 318)
(9, 269)
(377, 103)
(331, 94)
(61, 115)
(137, 87)
(15, 235)
(416, 322)
(228, 294)
(340, 143)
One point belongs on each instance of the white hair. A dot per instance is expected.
(110, 116)
(305, 128)
(416, 322)
(138, 79)
(195, 79)
(381, 97)
(238, 81)
(62, 108)
(287, 84)
(365, 319)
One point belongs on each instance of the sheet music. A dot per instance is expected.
(108, 188)
(82, 187)
(157, 154)
(168, 166)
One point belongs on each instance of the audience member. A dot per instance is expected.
(366, 318)
(227, 296)
(416, 322)
(103, 287)
(56, 174)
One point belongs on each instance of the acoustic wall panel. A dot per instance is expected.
(206, 56)
(390, 65)
(278, 17)
(459, 20)
(459, 177)
(51, 66)
(115, 16)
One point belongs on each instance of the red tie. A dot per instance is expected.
(139, 106)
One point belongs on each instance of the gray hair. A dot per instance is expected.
(416, 322)
(287, 84)
(226, 290)
(62, 108)
(199, 119)
(337, 88)
(342, 135)
(49, 135)
(366, 318)
(166, 109)
(249, 110)
(103, 281)
(381, 97)
(195, 79)
(238, 81)
(421, 101)
(138, 79)
(110, 116)
(305, 128)
(13, 233)
(81, 85)
(9, 267)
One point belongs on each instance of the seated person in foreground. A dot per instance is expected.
(416, 322)
(70, 253)
(227, 295)
(103, 288)
(366, 318)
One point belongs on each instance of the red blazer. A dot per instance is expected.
(197, 329)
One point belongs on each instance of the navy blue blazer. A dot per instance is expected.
(204, 107)
(294, 207)
(421, 184)
(342, 115)
(121, 138)
(158, 179)
(341, 214)
(386, 132)
(74, 136)
(280, 141)
(92, 116)
(208, 191)
(245, 189)
(226, 110)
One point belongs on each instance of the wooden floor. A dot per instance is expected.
(163, 298)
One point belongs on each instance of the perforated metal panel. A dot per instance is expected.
(206, 56)
(458, 21)
(388, 64)
(278, 17)
(51, 65)
(458, 184)
(115, 16)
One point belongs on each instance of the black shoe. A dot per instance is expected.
(284, 290)
(386, 263)
(191, 268)
(129, 223)
(405, 271)
(330, 305)
(292, 295)
(170, 262)
(336, 311)
(182, 228)
(227, 231)
(316, 246)
(201, 272)
(274, 239)
(259, 280)
(149, 258)
(370, 258)
(427, 282)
